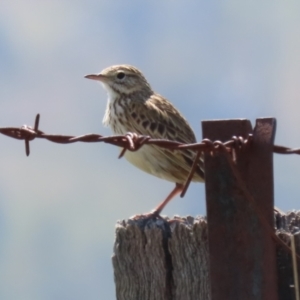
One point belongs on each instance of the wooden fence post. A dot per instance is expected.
(161, 260)
(242, 254)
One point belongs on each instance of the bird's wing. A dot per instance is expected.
(158, 118)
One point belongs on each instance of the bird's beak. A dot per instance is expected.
(98, 77)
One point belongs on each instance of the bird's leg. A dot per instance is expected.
(177, 190)
(156, 212)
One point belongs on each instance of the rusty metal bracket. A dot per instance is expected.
(241, 251)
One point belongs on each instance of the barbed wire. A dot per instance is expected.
(129, 141)
(133, 142)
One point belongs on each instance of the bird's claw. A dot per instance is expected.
(151, 215)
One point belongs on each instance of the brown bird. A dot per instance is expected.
(134, 107)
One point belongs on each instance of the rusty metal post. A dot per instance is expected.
(241, 252)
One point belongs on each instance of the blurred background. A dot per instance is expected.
(59, 206)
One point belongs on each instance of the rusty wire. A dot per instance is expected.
(133, 142)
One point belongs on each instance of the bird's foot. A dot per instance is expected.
(155, 214)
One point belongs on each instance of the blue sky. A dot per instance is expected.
(58, 208)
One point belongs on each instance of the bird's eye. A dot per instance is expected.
(120, 75)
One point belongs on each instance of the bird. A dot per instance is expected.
(133, 106)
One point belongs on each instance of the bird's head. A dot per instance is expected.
(122, 79)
